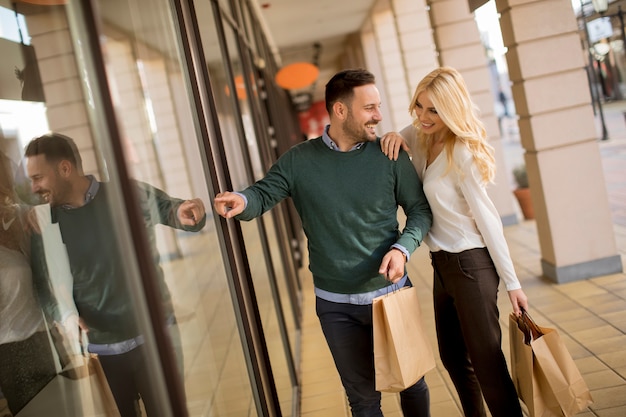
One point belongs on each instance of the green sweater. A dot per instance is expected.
(100, 290)
(348, 203)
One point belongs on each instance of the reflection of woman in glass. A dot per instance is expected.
(26, 361)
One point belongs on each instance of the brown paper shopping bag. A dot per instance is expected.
(543, 371)
(402, 351)
(101, 385)
(94, 393)
(526, 374)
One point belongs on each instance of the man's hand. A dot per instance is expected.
(190, 212)
(391, 143)
(228, 204)
(71, 329)
(518, 299)
(392, 266)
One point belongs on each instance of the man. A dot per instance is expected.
(81, 207)
(347, 194)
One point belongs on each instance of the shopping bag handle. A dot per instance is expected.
(393, 288)
(84, 342)
(528, 326)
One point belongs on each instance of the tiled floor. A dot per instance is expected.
(590, 315)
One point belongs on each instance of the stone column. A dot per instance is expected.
(415, 36)
(459, 45)
(392, 66)
(65, 97)
(398, 44)
(558, 133)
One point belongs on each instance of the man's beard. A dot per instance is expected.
(357, 132)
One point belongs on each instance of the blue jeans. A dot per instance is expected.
(348, 332)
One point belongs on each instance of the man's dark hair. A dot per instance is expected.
(341, 86)
(56, 148)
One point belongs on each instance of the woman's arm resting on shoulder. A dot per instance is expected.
(391, 143)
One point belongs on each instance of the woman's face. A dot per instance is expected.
(429, 119)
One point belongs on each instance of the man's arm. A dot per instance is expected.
(159, 208)
(260, 196)
(410, 196)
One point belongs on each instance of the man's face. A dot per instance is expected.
(363, 114)
(47, 180)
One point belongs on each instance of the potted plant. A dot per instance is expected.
(522, 192)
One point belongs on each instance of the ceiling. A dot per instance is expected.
(294, 27)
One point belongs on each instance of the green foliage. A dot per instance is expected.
(519, 173)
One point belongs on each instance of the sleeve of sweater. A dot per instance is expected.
(270, 190)
(410, 196)
(41, 281)
(159, 208)
(488, 223)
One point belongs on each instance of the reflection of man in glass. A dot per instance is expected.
(80, 206)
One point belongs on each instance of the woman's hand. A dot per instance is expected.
(391, 143)
(518, 301)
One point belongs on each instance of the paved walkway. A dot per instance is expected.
(590, 315)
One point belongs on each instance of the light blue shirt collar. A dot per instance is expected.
(332, 145)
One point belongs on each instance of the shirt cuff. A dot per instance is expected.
(402, 249)
(245, 199)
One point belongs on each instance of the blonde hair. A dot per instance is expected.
(7, 189)
(448, 93)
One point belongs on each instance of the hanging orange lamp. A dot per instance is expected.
(297, 75)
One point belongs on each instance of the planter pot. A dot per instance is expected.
(525, 203)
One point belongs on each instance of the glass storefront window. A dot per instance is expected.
(145, 69)
(240, 129)
(158, 139)
(123, 266)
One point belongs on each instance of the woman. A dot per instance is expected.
(468, 249)
(26, 359)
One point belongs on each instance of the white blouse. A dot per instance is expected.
(20, 315)
(464, 217)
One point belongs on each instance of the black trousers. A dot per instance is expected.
(349, 334)
(465, 291)
(129, 377)
(26, 367)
